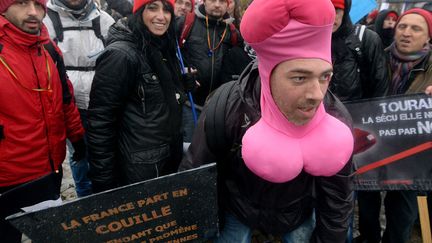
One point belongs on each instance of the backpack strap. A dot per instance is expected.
(67, 96)
(234, 35)
(57, 24)
(214, 124)
(59, 29)
(97, 29)
(360, 29)
(356, 45)
(187, 26)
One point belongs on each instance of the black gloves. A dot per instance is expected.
(80, 150)
(189, 82)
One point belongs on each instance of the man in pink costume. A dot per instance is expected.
(285, 170)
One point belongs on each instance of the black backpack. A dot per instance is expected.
(59, 29)
(214, 125)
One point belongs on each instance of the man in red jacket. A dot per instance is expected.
(37, 112)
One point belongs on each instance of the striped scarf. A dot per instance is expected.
(401, 65)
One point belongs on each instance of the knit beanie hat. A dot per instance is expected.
(5, 4)
(338, 4)
(393, 15)
(139, 3)
(424, 13)
(373, 14)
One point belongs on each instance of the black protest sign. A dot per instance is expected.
(393, 143)
(176, 208)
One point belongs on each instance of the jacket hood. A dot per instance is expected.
(346, 27)
(120, 32)
(201, 13)
(89, 12)
(386, 35)
(379, 21)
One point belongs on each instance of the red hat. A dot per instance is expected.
(338, 4)
(392, 15)
(373, 14)
(139, 3)
(5, 4)
(424, 13)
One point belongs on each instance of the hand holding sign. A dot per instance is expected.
(428, 90)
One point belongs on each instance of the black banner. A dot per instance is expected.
(393, 148)
(176, 208)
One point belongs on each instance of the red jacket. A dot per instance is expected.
(35, 123)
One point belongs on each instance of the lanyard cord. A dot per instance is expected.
(48, 89)
(208, 36)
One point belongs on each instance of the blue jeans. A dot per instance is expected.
(235, 231)
(80, 168)
(400, 210)
(188, 123)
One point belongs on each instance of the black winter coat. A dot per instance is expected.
(272, 207)
(360, 68)
(134, 113)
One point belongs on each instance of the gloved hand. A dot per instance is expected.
(189, 82)
(80, 150)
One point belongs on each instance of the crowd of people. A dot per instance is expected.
(124, 85)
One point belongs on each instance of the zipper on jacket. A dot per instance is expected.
(43, 107)
(141, 94)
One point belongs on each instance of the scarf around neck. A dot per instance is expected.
(401, 66)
